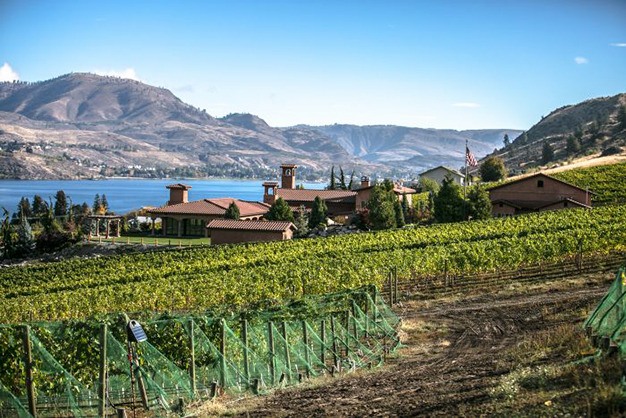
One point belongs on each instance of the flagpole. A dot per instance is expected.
(465, 181)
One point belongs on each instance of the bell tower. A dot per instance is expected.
(269, 195)
(289, 176)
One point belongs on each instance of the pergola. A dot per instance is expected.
(108, 219)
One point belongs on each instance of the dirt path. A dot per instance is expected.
(449, 362)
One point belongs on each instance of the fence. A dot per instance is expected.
(89, 368)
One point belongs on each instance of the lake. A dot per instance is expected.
(125, 195)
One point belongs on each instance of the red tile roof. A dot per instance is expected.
(178, 186)
(298, 195)
(250, 225)
(213, 207)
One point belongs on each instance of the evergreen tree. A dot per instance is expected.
(7, 232)
(60, 204)
(318, 213)
(399, 213)
(342, 179)
(301, 222)
(332, 185)
(104, 203)
(232, 212)
(449, 203)
(492, 169)
(479, 203)
(573, 145)
(24, 209)
(25, 243)
(351, 183)
(40, 206)
(621, 117)
(507, 141)
(97, 204)
(405, 206)
(382, 212)
(547, 153)
(280, 211)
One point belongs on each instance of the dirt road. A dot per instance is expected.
(451, 361)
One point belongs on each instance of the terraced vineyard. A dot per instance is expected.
(607, 181)
(241, 275)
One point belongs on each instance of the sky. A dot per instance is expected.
(445, 64)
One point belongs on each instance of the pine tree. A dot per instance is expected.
(399, 215)
(40, 207)
(24, 208)
(547, 153)
(232, 212)
(573, 145)
(449, 203)
(97, 204)
(280, 211)
(507, 141)
(342, 179)
(332, 185)
(60, 204)
(104, 203)
(301, 222)
(25, 243)
(405, 206)
(318, 213)
(479, 203)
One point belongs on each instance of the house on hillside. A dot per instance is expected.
(183, 218)
(338, 202)
(537, 193)
(441, 172)
(227, 231)
(365, 190)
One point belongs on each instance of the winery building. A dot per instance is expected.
(227, 231)
(537, 193)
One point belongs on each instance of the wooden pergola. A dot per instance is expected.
(108, 219)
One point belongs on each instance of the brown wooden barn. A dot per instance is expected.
(536, 193)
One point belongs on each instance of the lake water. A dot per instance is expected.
(125, 195)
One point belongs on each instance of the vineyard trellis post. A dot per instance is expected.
(28, 368)
(305, 339)
(244, 341)
(222, 353)
(323, 345)
(333, 337)
(287, 356)
(270, 338)
(192, 358)
(102, 389)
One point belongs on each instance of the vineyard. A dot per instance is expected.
(82, 368)
(606, 181)
(239, 276)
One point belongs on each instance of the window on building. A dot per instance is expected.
(539, 183)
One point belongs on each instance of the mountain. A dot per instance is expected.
(593, 127)
(84, 125)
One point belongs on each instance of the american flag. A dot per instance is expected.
(469, 158)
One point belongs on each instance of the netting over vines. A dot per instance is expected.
(609, 318)
(90, 368)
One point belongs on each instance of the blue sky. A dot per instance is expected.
(430, 64)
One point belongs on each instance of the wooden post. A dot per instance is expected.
(367, 318)
(390, 288)
(270, 336)
(305, 339)
(334, 340)
(395, 284)
(323, 338)
(192, 358)
(287, 356)
(102, 389)
(223, 354)
(28, 367)
(142, 389)
(246, 360)
(354, 321)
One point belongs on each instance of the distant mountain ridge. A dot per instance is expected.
(85, 125)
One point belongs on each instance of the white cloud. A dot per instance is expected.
(126, 73)
(619, 44)
(581, 60)
(469, 105)
(7, 73)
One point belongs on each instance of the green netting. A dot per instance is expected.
(193, 356)
(609, 317)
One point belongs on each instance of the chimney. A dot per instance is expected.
(178, 193)
(289, 176)
(365, 182)
(269, 195)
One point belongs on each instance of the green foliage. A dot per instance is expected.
(280, 211)
(60, 204)
(478, 203)
(506, 140)
(605, 181)
(301, 222)
(232, 212)
(621, 117)
(238, 275)
(25, 243)
(40, 206)
(399, 214)
(547, 153)
(448, 203)
(493, 169)
(333, 184)
(573, 145)
(318, 213)
(429, 185)
(381, 205)
(24, 208)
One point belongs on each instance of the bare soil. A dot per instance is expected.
(455, 354)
